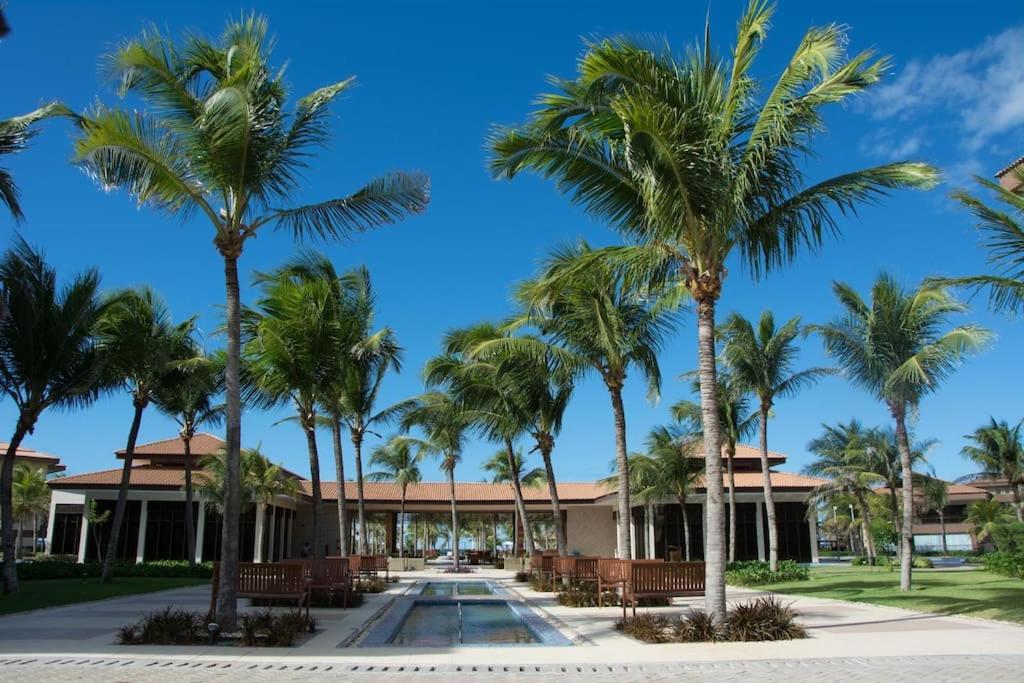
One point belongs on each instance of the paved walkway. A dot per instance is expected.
(846, 639)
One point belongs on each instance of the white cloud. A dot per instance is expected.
(887, 144)
(981, 89)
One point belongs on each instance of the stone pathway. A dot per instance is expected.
(955, 669)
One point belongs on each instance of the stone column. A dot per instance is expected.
(272, 554)
(812, 525)
(650, 531)
(200, 530)
(49, 526)
(261, 516)
(632, 535)
(759, 520)
(140, 549)
(83, 538)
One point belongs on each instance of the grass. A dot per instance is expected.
(969, 593)
(55, 592)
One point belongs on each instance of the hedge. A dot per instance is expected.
(758, 573)
(57, 568)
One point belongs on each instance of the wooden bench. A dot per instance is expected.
(328, 574)
(612, 574)
(369, 565)
(542, 564)
(575, 569)
(664, 580)
(266, 581)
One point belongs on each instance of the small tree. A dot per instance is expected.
(96, 519)
(399, 463)
(31, 498)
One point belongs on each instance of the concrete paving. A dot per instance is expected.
(78, 641)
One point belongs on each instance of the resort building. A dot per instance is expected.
(282, 527)
(31, 526)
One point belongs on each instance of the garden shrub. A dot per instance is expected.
(168, 626)
(541, 583)
(647, 627)
(522, 577)
(1004, 563)
(1008, 538)
(578, 596)
(920, 562)
(762, 620)
(758, 573)
(371, 585)
(65, 568)
(696, 627)
(272, 629)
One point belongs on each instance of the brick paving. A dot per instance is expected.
(891, 669)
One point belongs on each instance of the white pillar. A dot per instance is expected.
(273, 533)
(200, 530)
(759, 520)
(140, 550)
(812, 525)
(650, 531)
(261, 514)
(49, 526)
(632, 535)
(83, 538)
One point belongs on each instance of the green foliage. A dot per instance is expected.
(1005, 563)
(884, 533)
(267, 628)
(63, 568)
(522, 577)
(921, 562)
(758, 573)
(168, 626)
(541, 583)
(1009, 537)
(646, 627)
(371, 585)
(762, 620)
(697, 626)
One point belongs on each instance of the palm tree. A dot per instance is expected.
(984, 515)
(997, 449)
(289, 338)
(400, 464)
(684, 158)
(594, 321)
(736, 422)
(842, 453)
(30, 497)
(895, 347)
(1002, 226)
(511, 469)
(935, 497)
(15, 134)
(883, 458)
(48, 358)
(143, 349)
(446, 426)
(214, 139)
(188, 399)
(762, 360)
(669, 469)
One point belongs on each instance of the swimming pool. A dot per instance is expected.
(457, 588)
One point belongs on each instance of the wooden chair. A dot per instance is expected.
(266, 581)
(664, 580)
(542, 564)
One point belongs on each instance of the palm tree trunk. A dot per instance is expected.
(867, 540)
(730, 452)
(517, 491)
(686, 528)
(401, 527)
(556, 504)
(190, 530)
(450, 471)
(894, 506)
(122, 494)
(1018, 505)
(7, 506)
(769, 495)
(714, 595)
(357, 447)
(314, 476)
(622, 464)
(907, 532)
(227, 601)
(942, 528)
(339, 467)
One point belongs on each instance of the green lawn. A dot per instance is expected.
(971, 593)
(53, 592)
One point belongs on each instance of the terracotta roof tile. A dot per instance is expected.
(52, 462)
(141, 477)
(202, 444)
(745, 452)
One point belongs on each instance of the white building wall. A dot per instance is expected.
(590, 530)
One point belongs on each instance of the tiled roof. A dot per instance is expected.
(745, 452)
(143, 477)
(52, 462)
(202, 444)
(951, 489)
(464, 491)
(1003, 171)
(780, 480)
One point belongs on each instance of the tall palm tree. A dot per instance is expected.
(400, 463)
(883, 458)
(446, 426)
(30, 497)
(762, 360)
(997, 449)
(504, 468)
(214, 139)
(48, 358)
(669, 469)
(736, 422)
(895, 346)
(935, 497)
(15, 134)
(594, 321)
(685, 158)
(1002, 228)
(188, 398)
(143, 349)
(289, 337)
(842, 459)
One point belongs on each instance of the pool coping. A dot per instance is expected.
(380, 634)
(497, 590)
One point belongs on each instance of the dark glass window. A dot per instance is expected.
(165, 530)
(67, 531)
(127, 542)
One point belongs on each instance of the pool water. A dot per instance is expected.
(453, 588)
(462, 623)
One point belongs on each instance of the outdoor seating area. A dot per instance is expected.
(288, 582)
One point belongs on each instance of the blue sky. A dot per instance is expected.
(433, 77)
